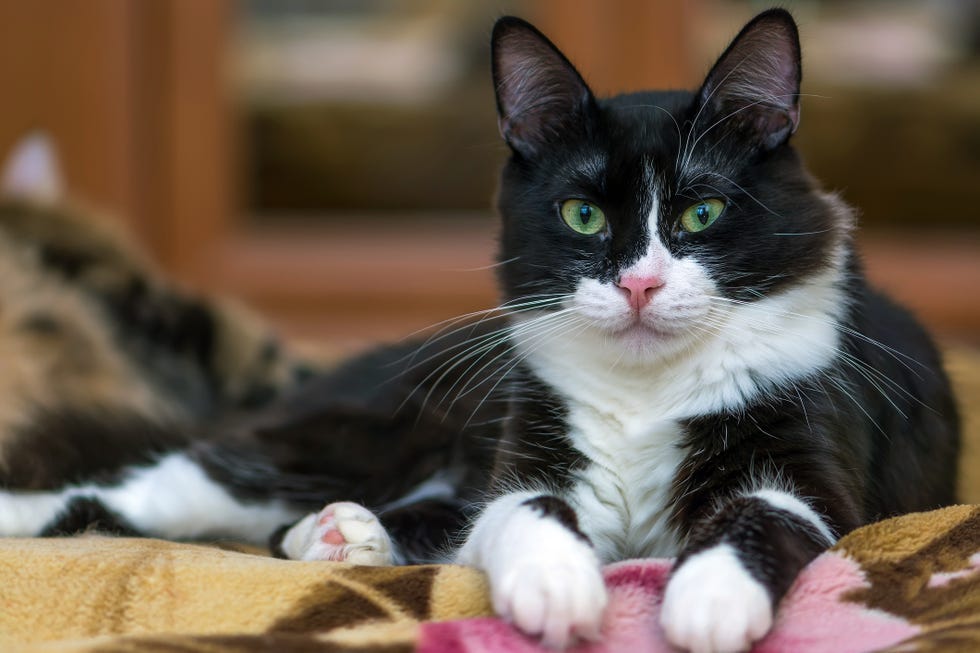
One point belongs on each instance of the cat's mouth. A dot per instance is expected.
(640, 329)
(667, 320)
(643, 340)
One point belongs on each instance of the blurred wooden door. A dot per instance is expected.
(66, 67)
(137, 96)
(134, 96)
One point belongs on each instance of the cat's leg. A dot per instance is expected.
(737, 564)
(172, 498)
(342, 531)
(544, 575)
(425, 531)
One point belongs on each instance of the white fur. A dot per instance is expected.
(32, 170)
(657, 260)
(303, 541)
(173, 499)
(793, 504)
(26, 514)
(622, 499)
(679, 369)
(713, 605)
(366, 542)
(543, 578)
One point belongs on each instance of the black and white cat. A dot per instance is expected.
(690, 364)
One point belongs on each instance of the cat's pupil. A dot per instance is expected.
(703, 213)
(585, 213)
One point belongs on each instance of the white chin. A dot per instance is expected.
(646, 342)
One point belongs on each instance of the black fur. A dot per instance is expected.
(533, 448)
(275, 541)
(373, 429)
(773, 545)
(555, 508)
(85, 446)
(86, 514)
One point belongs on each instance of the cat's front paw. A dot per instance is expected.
(343, 531)
(713, 605)
(554, 591)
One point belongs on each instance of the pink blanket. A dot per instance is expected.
(815, 617)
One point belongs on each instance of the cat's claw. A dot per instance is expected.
(343, 531)
(713, 605)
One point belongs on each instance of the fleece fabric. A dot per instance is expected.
(910, 583)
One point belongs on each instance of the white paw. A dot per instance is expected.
(713, 605)
(547, 581)
(342, 531)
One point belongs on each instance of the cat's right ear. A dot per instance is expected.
(32, 170)
(756, 81)
(540, 95)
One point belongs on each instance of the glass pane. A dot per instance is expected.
(366, 106)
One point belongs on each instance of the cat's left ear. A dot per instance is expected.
(756, 81)
(32, 170)
(540, 95)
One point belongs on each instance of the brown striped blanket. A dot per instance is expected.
(906, 584)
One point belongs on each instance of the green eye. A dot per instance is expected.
(699, 217)
(584, 217)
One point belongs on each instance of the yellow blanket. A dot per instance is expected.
(73, 594)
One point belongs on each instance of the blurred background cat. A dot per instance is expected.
(89, 328)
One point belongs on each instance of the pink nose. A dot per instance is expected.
(640, 290)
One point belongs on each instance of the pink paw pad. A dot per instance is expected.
(329, 534)
(343, 532)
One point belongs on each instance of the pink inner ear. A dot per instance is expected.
(538, 91)
(757, 78)
(32, 170)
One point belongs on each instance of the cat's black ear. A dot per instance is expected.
(540, 95)
(756, 81)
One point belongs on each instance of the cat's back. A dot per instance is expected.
(55, 346)
(907, 406)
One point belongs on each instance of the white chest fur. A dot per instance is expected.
(625, 415)
(622, 498)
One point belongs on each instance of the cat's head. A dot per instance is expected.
(650, 219)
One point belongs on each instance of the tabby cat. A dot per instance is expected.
(91, 332)
(688, 362)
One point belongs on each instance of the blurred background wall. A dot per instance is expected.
(333, 161)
